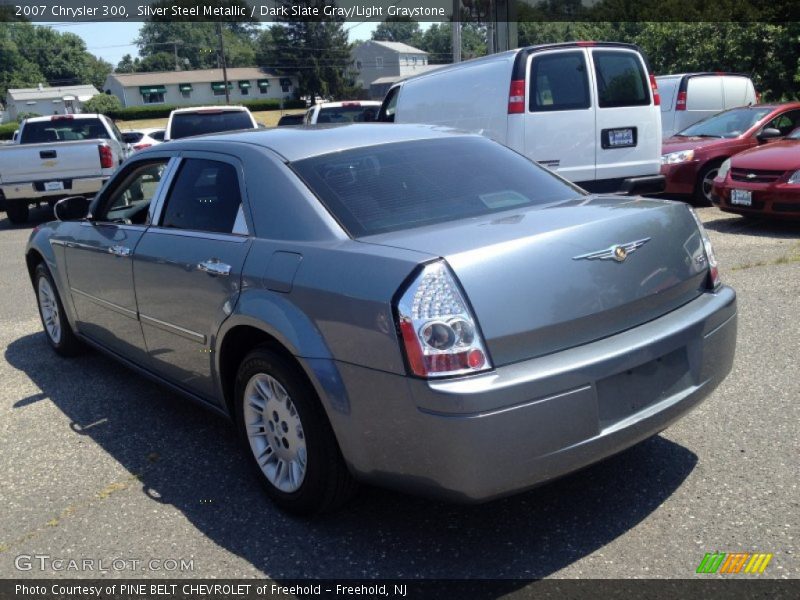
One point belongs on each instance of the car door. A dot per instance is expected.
(187, 268)
(98, 258)
(560, 119)
(628, 123)
(785, 122)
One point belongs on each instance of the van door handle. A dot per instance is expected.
(119, 251)
(213, 266)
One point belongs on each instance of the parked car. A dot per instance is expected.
(199, 120)
(762, 181)
(691, 159)
(589, 111)
(691, 97)
(401, 305)
(361, 111)
(58, 156)
(144, 138)
(291, 119)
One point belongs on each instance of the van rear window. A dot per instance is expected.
(559, 82)
(411, 184)
(621, 80)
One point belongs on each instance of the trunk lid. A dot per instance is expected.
(23, 163)
(534, 285)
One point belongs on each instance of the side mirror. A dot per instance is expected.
(72, 208)
(768, 133)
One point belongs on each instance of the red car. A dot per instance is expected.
(762, 181)
(691, 159)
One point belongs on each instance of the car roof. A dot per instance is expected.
(297, 143)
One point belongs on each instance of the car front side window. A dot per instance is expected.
(129, 201)
(204, 197)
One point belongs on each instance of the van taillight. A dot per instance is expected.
(516, 97)
(654, 87)
(106, 157)
(680, 104)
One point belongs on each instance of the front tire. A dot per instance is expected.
(704, 187)
(57, 329)
(17, 211)
(287, 436)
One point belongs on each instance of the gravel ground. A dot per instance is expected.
(98, 463)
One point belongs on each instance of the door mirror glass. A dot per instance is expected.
(769, 133)
(72, 209)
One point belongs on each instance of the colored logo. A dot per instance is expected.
(734, 562)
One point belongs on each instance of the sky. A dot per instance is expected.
(111, 41)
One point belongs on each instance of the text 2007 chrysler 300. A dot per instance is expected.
(394, 304)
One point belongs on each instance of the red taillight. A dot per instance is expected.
(351, 104)
(62, 118)
(516, 97)
(654, 87)
(680, 103)
(141, 146)
(106, 156)
(586, 44)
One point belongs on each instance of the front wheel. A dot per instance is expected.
(704, 187)
(287, 436)
(56, 327)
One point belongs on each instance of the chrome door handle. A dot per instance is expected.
(214, 267)
(119, 250)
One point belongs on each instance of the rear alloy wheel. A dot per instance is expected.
(17, 211)
(705, 184)
(288, 437)
(56, 327)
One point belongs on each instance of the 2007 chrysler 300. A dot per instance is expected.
(395, 304)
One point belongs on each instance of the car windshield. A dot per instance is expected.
(411, 184)
(347, 114)
(212, 121)
(729, 124)
(63, 129)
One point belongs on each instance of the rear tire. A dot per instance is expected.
(705, 184)
(57, 329)
(287, 436)
(17, 211)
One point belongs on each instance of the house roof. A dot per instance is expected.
(80, 92)
(198, 76)
(398, 47)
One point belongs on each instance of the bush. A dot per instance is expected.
(133, 113)
(102, 103)
(7, 130)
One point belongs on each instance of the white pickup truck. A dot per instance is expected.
(58, 156)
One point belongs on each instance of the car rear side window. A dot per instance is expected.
(204, 197)
(211, 121)
(559, 82)
(621, 80)
(411, 184)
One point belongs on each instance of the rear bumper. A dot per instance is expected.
(476, 438)
(85, 186)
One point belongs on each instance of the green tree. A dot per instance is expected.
(99, 69)
(398, 29)
(437, 41)
(128, 64)
(102, 103)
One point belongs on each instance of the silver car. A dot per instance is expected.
(397, 304)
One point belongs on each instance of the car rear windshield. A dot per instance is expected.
(621, 80)
(63, 130)
(347, 114)
(411, 184)
(186, 124)
(729, 124)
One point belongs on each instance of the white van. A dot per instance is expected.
(687, 98)
(587, 110)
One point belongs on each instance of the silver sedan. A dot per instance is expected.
(400, 305)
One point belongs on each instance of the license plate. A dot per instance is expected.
(742, 197)
(52, 186)
(620, 137)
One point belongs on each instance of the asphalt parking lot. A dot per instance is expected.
(97, 463)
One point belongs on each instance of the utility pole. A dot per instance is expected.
(456, 28)
(175, 52)
(222, 61)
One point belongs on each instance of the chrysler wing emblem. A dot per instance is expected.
(617, 252)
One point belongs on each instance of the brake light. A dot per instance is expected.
(516, 97)
(654, 87)
(586, 44)
(438, 331)
(141, 146)
(351, 104)
(713, 266)
(680, 103)
(62, 117)
(106, 156)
